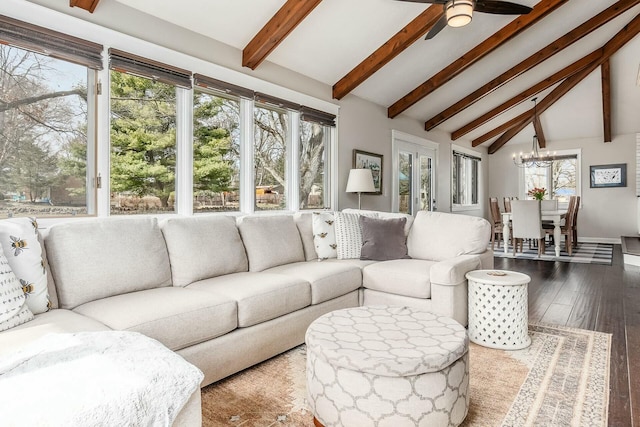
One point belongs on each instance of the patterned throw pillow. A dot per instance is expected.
(19, 240)
(13, 304)
(349, 234)
(324, 235)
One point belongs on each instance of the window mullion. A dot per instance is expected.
(247, 162)
(184, 152)
(103, 149)
(292, 169)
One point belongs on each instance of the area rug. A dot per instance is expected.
(562, 379)
(585, 253)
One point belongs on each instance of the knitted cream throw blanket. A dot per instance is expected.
(109, 378)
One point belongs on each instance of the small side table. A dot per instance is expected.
(498, 309)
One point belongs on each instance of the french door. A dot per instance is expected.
(414, 172)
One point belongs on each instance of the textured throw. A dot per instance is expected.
(585, 253)
(95, 379)
(562, 379)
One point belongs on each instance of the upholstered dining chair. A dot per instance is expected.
(526, 223)
(496, 221)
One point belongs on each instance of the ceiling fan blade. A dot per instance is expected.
(442, 22)
(501, 7)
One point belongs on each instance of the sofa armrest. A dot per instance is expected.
(451, 272)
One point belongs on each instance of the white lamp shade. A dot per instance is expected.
(459, 12)
(360, 181)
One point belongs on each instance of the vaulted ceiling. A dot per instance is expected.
(457, 81)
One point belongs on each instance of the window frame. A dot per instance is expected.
(459, 207)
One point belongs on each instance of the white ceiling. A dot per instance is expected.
(338, 34)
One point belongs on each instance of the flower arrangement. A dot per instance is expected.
(537, 193)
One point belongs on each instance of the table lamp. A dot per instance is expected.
(360, 181)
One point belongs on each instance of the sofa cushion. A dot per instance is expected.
(260, 296)
(303, 221)
(324, 235)
(270, 240)
(328, 280)
(383, 239)
(103, 257)
(177, 317)
(13, 300)
(407, 277)
(52, 322)
(195, 248)
(437, 236)
(19, 239)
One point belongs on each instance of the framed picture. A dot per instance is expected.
(609, 175)
(366, 160)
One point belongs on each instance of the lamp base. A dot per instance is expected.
(359, 200)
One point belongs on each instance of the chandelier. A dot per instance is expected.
(533, 159)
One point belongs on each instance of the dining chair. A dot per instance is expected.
(507, 204)
(496, 221)
(569, 228)
(526, 223)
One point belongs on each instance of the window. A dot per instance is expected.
(166, 147)
(216, 153)
(46, 121)
(143, 145)
(561, 179)
(43, 135)
(271, 133)
(314, 170)
(464, 183)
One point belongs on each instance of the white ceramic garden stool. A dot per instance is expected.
(387, 367)
(498, 309)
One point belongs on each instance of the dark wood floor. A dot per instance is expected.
(597, 297)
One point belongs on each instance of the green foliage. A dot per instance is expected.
(143, 136)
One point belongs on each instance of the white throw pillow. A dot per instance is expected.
(324, 235)
(349, 234)
(19, 240)
(13, 304)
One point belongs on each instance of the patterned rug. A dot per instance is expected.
(562, 379)
(585, 253)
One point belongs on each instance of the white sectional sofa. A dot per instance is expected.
(226, 293)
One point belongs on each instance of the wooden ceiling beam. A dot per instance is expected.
(506, 33)
(543, 54)
(612, 46)
(89, 5)
(527, 94)
(605, 70)
(276, 30)
(525, 118)
(537, 126)
(404, 38)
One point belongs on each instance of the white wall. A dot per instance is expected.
(361, 124)
(606, 213)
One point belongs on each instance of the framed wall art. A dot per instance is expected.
(603, 176)
(366, 160)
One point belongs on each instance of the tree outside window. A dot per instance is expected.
(560, 179)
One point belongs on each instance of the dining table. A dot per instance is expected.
(547, 215)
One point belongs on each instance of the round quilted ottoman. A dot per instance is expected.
(387, 366)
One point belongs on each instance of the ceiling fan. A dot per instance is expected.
(458, 13)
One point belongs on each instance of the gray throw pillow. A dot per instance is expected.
(383, 239)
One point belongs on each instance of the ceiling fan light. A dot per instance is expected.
(459, 12)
